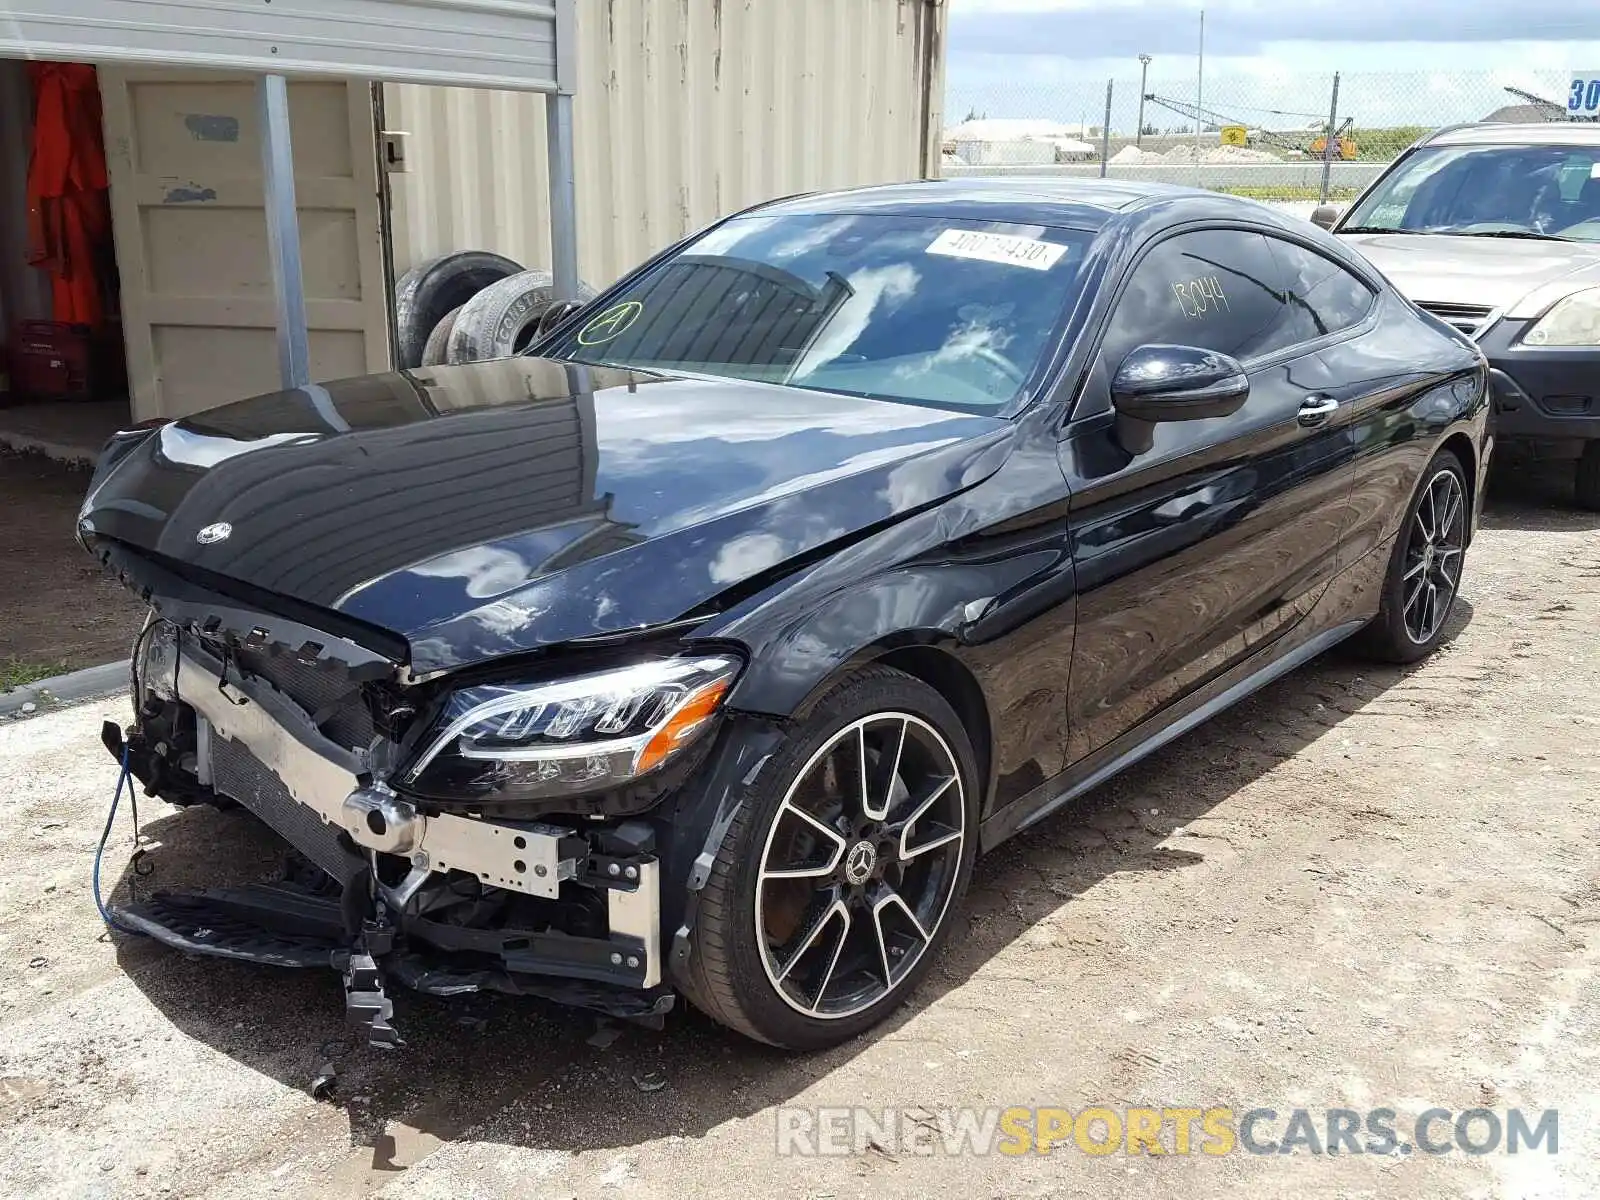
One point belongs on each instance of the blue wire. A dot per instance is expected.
(125, 778)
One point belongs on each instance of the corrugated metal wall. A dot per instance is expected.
(686, 110)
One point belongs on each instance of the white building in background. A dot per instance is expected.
(1011, 142)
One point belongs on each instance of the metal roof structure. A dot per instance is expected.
(526, 45)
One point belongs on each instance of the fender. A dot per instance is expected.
(744, 747)
(958, 600)
(962, 573)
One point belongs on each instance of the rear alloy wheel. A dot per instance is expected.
(833, 890)
(1425, 567)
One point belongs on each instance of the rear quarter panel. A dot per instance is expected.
(1408, 385)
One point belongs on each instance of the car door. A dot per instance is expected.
(1362, 368)
(1221, 536)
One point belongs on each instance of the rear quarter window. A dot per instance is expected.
(1322, 297)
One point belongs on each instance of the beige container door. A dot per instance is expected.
(184, 155)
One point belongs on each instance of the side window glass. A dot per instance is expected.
(1322, 296)
(1217, 289)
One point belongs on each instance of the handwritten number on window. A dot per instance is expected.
(1201, 297)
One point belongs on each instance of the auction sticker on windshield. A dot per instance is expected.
(998, 248)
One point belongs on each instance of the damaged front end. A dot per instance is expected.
(449, 840)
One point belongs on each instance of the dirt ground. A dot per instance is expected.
(58, 610)
(1361, 888)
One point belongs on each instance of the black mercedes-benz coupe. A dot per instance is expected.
(703, 650)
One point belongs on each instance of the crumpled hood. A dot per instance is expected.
(484, 509)
(1521, 278)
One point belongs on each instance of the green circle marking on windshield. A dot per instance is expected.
(610, 324)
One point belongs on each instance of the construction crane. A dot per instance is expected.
(1195, 112)
(1548, 109)
(1343, 143)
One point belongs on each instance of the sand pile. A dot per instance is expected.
(1132, 156)
(1217, 155)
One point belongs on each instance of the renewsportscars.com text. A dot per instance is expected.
(1103, 1130)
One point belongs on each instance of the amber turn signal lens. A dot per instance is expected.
(681, 726)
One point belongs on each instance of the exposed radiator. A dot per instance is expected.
(322, 689)
(240, 774)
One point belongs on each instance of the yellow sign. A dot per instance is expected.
(612, 323)
(1235, 135)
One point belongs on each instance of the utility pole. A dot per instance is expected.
(1330, 141)
(1144, 75)
(1105, 134)
(1200, 94)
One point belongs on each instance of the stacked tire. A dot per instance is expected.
(469, 306)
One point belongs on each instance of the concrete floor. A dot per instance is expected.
(71, 431)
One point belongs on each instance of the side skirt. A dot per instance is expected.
(1155, 732)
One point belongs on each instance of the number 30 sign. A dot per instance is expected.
(1583, 94)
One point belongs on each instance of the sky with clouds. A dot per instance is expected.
(1428, 61)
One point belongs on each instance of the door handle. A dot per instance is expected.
(1317, 409)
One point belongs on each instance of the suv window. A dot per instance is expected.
(1218, 289)
(1321, 295)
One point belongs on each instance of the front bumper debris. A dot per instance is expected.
(391, 884)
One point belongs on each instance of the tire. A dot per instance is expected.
(734, 973)
(1399, 633)
(431, 289)
(434, 354)
(502, 319)
(1587, 483)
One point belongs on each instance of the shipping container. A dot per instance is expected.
(684, 111)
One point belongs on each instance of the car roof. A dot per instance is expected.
(1550, 133)
(1039, 199)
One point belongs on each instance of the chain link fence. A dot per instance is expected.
(1264, 136)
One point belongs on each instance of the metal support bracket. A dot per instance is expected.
(283, 231)
(563, 196)
(366, 1007)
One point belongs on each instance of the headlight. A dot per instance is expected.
(514, 741)
(1574, 321)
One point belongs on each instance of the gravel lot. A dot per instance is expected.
(1364, 887)
(58, 610)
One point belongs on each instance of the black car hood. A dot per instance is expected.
(485, 509)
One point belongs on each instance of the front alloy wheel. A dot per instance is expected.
(831, 894)
(859, 865)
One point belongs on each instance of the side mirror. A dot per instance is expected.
(1324, 215)
(1173, 383)
(554, 315)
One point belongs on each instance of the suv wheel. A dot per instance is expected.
(832, 892)
(1588, 479)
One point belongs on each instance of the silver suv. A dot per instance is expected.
(1496, 230)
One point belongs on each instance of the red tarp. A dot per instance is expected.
(69, 209)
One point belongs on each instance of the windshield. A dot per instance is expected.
(1542, 191)
(949, 313)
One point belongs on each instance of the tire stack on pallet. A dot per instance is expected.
(469, 306)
